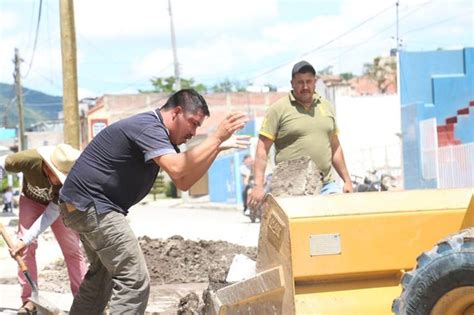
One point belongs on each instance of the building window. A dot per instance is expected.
(97, 125)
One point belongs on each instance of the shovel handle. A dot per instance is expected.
(10, 245)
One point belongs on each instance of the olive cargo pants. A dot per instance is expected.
(117, 269)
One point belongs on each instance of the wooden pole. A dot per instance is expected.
(19, 101)
(177, 85)
(70, 95)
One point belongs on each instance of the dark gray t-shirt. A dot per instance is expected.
(116, 170)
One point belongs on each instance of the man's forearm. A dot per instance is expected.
(261, 157)
(188, 167)
(339, 164)
(197, 171)
(260, 165)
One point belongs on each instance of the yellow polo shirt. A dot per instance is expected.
(297, 132)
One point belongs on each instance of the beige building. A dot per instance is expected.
(111, 108)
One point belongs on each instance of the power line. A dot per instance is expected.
(352, 29)
(325, 44)
(438, 22)
(107, 57)
(36, 39)
(351, 47)
(344, 34)
(43, 104)
(137, 81)
(31, 25)
(115, 60)
(51, 40)
(50, 81)
(385, 29)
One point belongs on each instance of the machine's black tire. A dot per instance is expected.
(449, 265)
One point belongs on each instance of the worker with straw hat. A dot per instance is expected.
(44, 172)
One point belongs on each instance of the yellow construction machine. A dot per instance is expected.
(402, 252)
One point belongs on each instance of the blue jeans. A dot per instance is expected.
(330, 188)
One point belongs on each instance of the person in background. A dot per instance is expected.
(247, 178)
(302, 123)
(8, 200)
(44, 171)
(115, 171)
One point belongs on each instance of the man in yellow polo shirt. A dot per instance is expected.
(302, 123)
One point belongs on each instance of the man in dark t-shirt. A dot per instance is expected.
(115, 171)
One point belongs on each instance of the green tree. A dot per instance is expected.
(222, 87)
(347, 75)
(159, 186)
(239, 86)
(171, 190)
(382, 70)
(166, 85)
(4, 182)
(368, 68)
(228, 86)
(271, 87)
(325, 71)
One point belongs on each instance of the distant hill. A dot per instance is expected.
(38, 106)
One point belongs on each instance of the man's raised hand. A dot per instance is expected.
(233, 122)
(235, 142)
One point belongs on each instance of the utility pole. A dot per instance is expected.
(398, 45)
(19, 100)
(400, 134)
(175, 53)
(184, 194)
(70, 95)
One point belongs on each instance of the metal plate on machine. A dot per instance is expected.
(325, 244)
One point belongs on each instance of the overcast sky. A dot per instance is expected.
(122, 44)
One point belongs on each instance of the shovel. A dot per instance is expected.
(43, 305)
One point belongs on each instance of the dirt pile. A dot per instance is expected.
(172, 260)
(181, 271)
(54, 277)
(176, 260)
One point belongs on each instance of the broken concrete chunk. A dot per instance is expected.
(296, 178)
(241, 268)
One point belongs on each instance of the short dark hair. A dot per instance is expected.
(190, 100)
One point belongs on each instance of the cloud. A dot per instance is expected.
(122, 44)
(267, 54)
(7, 20)
(120, 18)
(146, 18)
(85, 93)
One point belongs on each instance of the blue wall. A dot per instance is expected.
(7, 133)
(249, 129)
(224, 178)
(433, 84)
(225, 183)
(464, 130)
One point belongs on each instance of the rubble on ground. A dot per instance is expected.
(176, 260)
(172, 260)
